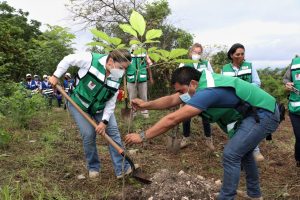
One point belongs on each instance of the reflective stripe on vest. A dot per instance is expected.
(296, 66)
(244, 71)
(295, 104)
(98, 74)
(228, 74)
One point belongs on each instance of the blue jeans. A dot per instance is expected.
(239, 151)
(88, 134)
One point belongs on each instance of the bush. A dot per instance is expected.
(21, 105)
(4, 139)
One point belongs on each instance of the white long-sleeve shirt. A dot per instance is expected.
(83, 62)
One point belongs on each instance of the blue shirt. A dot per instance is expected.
(220, 97)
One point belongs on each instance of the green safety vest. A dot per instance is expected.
(229, 118)
(94, 90)
(244, 73)
(294, 99)
(137, 70)
(201, 65)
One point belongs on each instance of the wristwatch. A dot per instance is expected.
(143, 136)
(105, 121)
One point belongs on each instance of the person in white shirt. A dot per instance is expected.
(95, 92)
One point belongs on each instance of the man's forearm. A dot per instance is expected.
(164, 102)
(169, 121)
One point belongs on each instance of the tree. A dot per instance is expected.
(105, 15)
(49, 48)
(25, 49)
(218, 60)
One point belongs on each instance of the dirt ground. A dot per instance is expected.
(45, 161)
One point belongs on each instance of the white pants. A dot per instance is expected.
(139, 90)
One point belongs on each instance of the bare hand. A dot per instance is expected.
(133, 138)
(100, 129)
(138, 104)
(53, 80)
(289, 86)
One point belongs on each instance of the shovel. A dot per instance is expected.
(173, 143)
(125, 112)
(136, 172)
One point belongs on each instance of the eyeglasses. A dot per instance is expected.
(195, 52)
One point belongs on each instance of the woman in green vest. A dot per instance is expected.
(138, 74)
(291, 80)
(95, 92)
(245, 112)
(242, 69)
(195, 53)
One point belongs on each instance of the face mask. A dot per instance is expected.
(196, 57)
(117, 73)
(186, 96)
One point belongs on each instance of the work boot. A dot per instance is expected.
(258, 156)
(93, 174)
(209, 143)
(185, 141)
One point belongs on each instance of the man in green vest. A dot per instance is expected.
(195, 53)
(95, 92)
(137, 74)
(291, 80)
(245, 112)
(242, 69)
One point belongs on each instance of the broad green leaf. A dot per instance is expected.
(101, 44)
(115, 41)
(177, 52)
(152, 49)
(186, 61)
(108, 49)
(120, 46)
(128, 29)
(137, 22)
(101, 35)
(134, 42)
(154, 56)
(152, 41)
(153, 33)
(140, 51)
(163, 52)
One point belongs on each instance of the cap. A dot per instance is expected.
(45, 76)
(68, 75)
(28, 75)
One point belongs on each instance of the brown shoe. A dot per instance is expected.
(258, 157)
(209, 143)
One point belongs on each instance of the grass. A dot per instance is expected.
(43, 161)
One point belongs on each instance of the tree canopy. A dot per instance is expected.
(26, 49)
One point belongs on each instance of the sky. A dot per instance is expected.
(269, 29)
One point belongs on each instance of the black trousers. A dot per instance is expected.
(186, 125)
(295, 119)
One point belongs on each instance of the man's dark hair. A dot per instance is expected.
(184, 75)
(120, 55)
(233, 49)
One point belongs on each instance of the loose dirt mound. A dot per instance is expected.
(170, 185)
